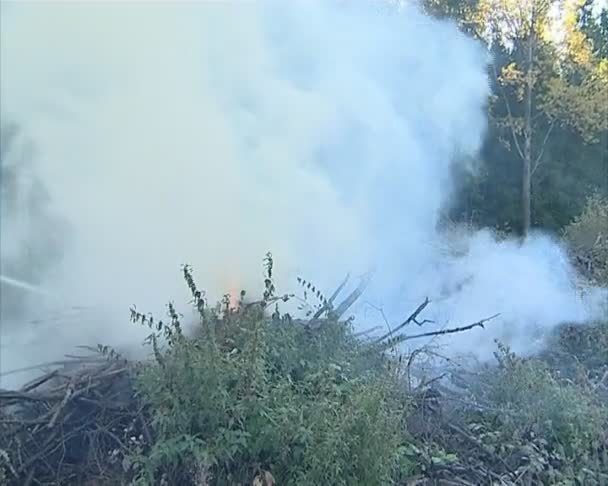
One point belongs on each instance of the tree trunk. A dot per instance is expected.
(527, 155)
(525, 197)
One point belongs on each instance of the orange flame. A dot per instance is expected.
(233, 292)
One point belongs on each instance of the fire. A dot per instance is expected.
(234, 298)
(233, 292)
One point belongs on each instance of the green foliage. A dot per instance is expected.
(562, 423)
(595, 29)
(580, 350)
(267, 398)
(250, 393)
(567, 130)
(588, 240)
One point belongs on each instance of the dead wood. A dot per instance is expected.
(354, 295)
(453, 330)
(412, 318)
(327, 306)
(55, 427)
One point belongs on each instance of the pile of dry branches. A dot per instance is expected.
(66, 426)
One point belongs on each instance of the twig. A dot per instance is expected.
(68, 395)
(268, 302)
(339, 289)
(408, 367)
(367, 331)
(409, 320)
(52, 363)
(538, 159)
(509, 112)
(38, 381)
(328, 305)
(381, 312)
(355, 294)
(7, 460)
(481, 323)
(9, 395)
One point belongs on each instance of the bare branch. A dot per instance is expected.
(339, 289)
(509, 112)
(381, 311)
(538, 159)
(481, 323)
(367, 331)
(409, 320)
(355, 294)
(69, 391)
(328, 305)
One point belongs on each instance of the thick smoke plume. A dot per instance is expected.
(209, 133)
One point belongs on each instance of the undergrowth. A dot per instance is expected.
(250, 395)
(587, 240)
(549, 426)
(256, 397)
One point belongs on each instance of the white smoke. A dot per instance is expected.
(211, 132)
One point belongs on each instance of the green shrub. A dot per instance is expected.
(573, 345)
(561, 421)
(251, 394)
(269, 399)
(587, 237)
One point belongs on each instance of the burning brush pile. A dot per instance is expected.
(255, 396)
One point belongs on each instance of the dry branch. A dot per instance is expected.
(330, 302)
(412, 318)
(354, 295)
(453, 330)
(55, 427)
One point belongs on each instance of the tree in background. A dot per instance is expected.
(578, 97)
(520, 28)
(595, 29)
(545, 150)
